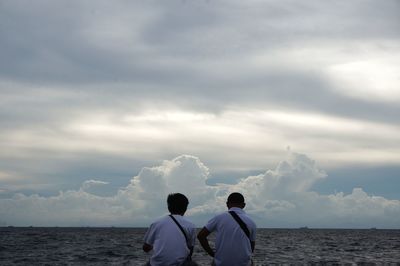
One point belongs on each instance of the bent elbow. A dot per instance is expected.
(202, 235)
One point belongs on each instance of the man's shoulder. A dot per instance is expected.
(250, 221)
(221, 216)
(159, 221)
(246, 217)
(186, 222)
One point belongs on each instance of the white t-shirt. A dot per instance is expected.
(168, 241)
(232, 245)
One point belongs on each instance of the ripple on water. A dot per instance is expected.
(122, 246)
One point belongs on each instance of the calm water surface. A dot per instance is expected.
(122, 246)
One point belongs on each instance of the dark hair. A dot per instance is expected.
(235, 198)
(177, 203)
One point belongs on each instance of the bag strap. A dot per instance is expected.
(241, 223)
(180, 227)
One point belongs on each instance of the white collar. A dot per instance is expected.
(236, 209)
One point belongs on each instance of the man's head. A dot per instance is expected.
(177, 203)
(235, 199)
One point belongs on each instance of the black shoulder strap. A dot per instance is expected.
(180, 227)
(241, 223)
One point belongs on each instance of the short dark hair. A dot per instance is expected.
(235, 198)
(177, 203)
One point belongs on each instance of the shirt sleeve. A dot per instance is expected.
(150, 235)
(212, 224)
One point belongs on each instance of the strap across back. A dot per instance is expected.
(241, 223)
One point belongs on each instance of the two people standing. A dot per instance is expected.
(172, 237)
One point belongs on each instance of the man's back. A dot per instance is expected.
(233, 247)
(168, 241)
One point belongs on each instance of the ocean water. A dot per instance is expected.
(122, 246)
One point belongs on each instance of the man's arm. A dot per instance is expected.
(202, 237)
(253, 244)
(147, 247)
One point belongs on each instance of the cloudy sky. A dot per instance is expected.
(108, 106)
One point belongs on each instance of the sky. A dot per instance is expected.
(106, 107)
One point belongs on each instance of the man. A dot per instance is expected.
(171, 237)
(234, 246)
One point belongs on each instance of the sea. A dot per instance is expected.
(122, 246)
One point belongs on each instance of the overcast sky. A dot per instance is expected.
(111, 105)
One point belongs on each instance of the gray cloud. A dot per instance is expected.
(174, 52)
(72, 70)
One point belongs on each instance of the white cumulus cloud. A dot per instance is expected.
(280, 197)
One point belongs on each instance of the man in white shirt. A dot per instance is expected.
(235, 234)
(171, 237)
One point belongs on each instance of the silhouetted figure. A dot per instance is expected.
(171, 237)
(235, 234)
